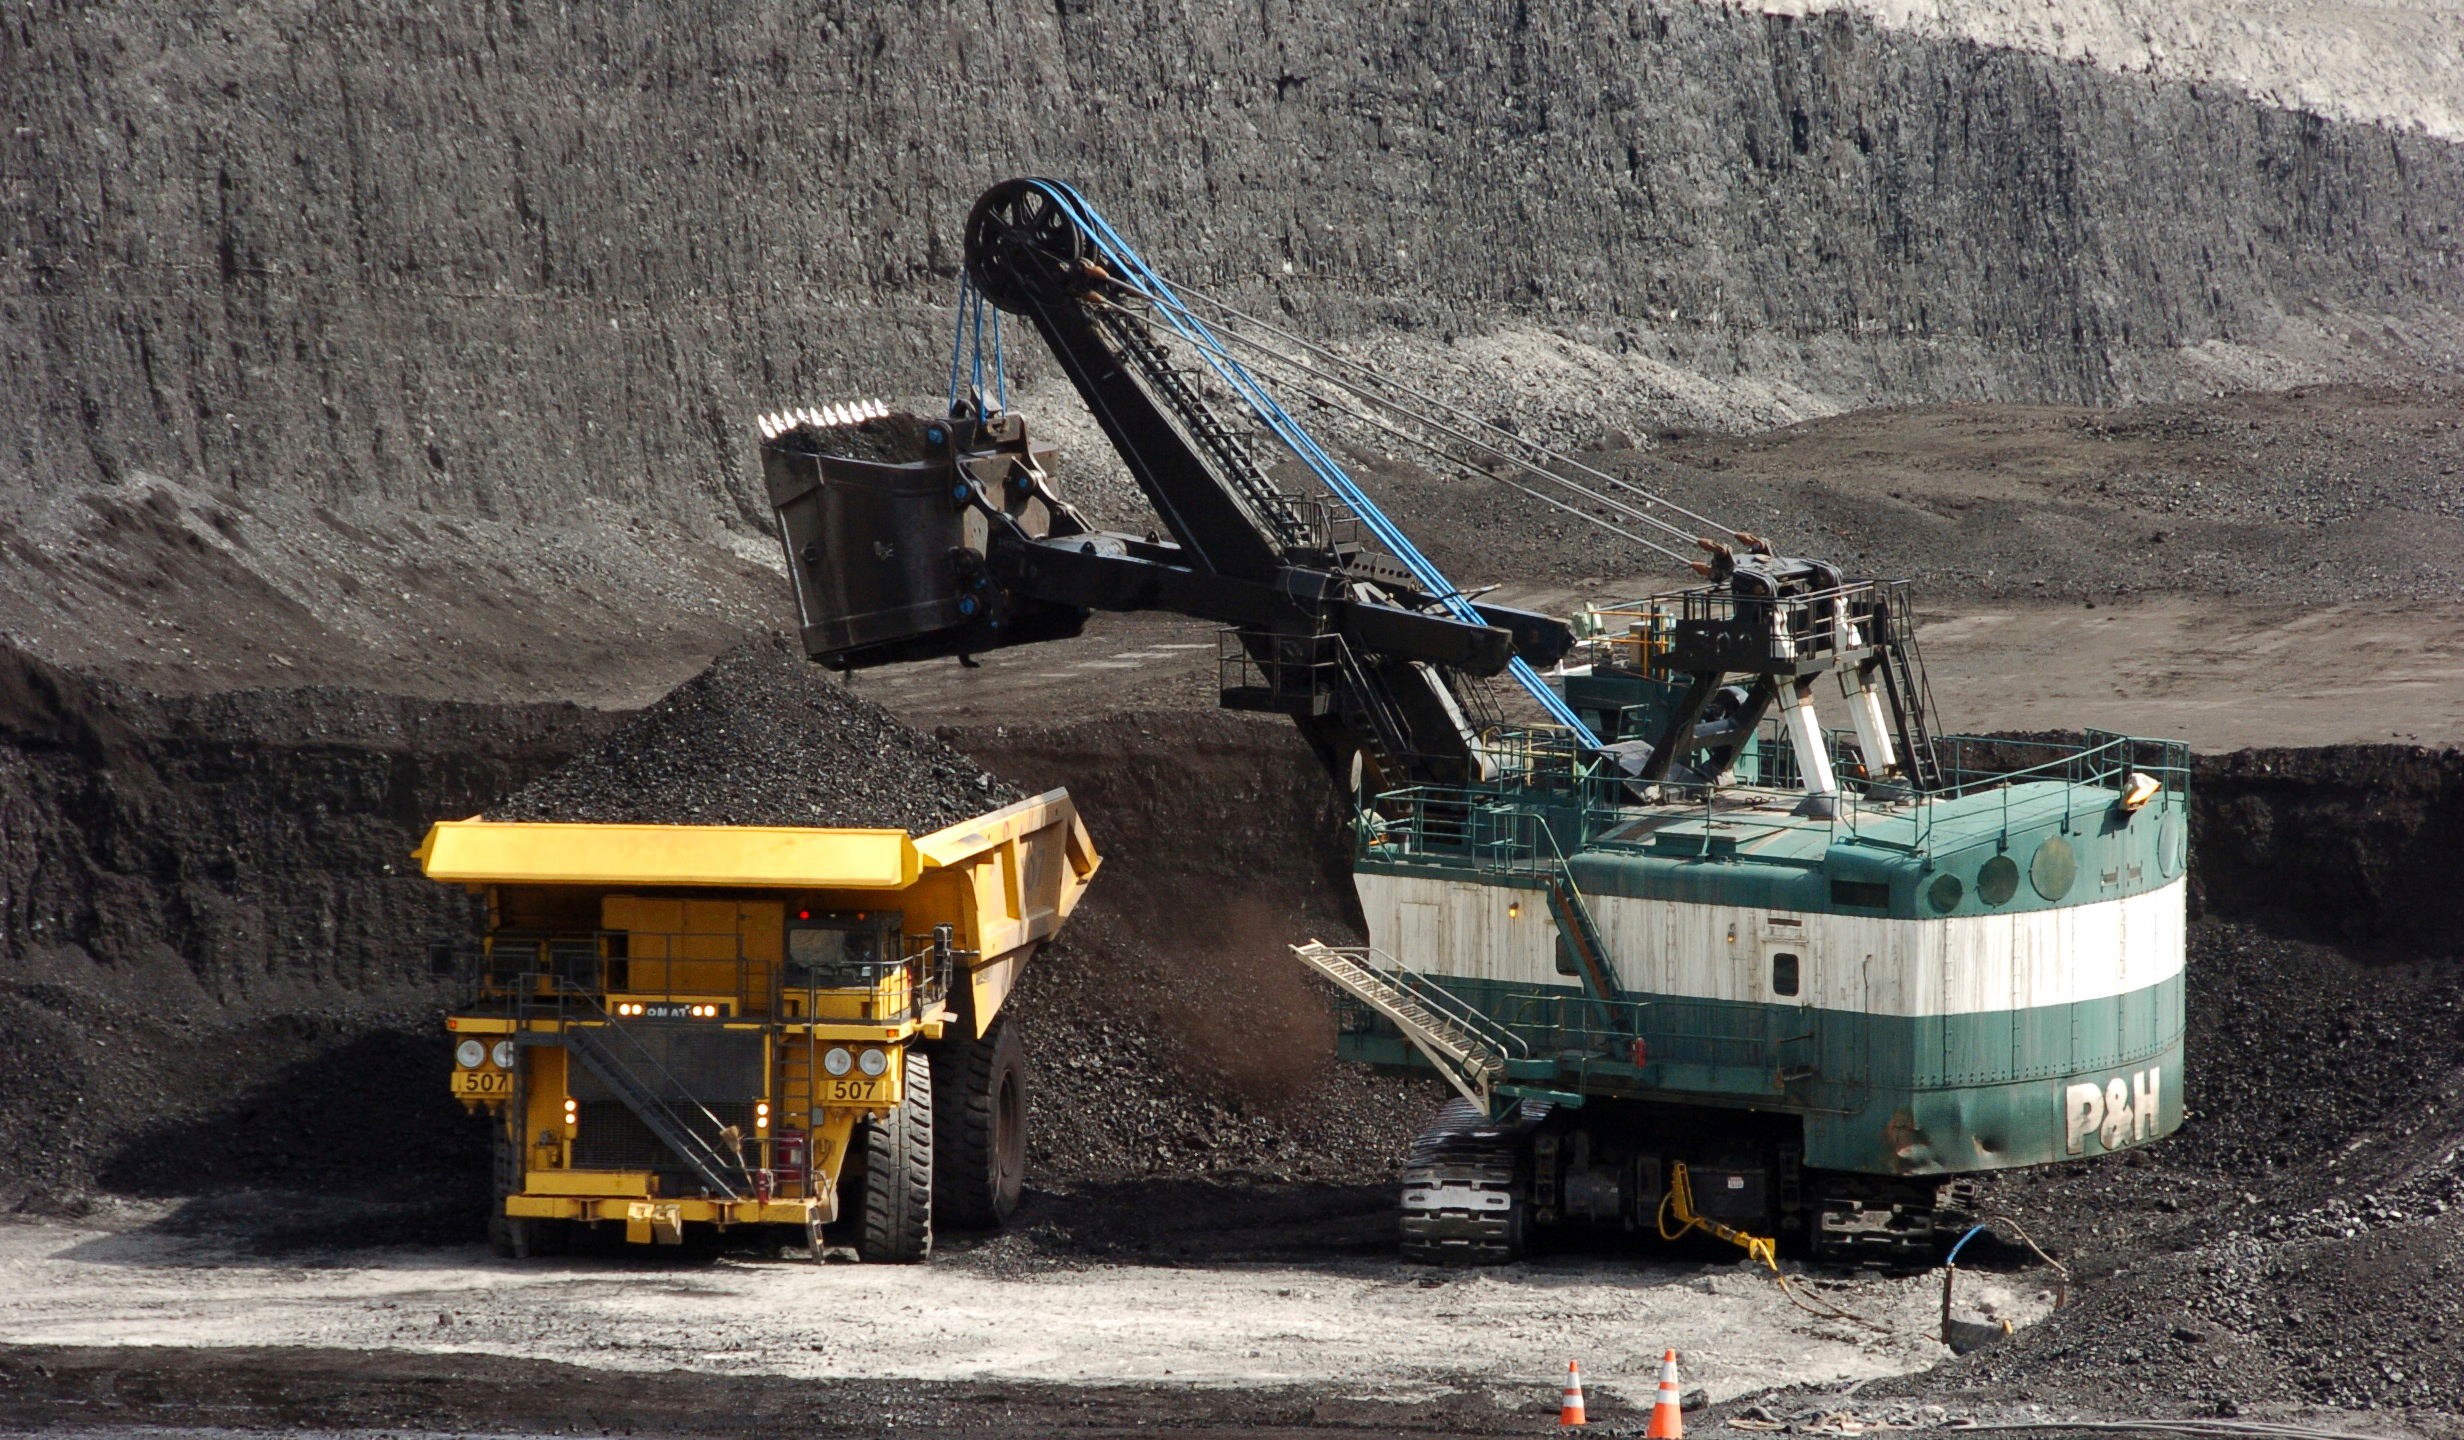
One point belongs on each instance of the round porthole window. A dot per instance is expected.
(2055, 866)
(1944, 893)
(1997, 880)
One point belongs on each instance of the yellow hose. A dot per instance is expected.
(1679, 1198)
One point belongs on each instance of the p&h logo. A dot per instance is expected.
(2122, 1111)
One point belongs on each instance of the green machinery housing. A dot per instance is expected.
(1827, 989)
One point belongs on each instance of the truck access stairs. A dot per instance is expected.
(1466, 1047)
(599, 1048)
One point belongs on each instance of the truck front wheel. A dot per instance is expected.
(897, 1184)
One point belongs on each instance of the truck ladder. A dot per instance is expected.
(1464, 1046)
(591, 1044)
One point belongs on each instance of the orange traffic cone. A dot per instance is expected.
(1667, 1419)
(1570, 1410)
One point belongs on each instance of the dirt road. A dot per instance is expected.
(1370, 1326)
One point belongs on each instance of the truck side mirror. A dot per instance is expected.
(440, 957)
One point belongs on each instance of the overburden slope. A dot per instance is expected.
(316, 301)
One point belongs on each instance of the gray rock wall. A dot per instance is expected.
(494, 258)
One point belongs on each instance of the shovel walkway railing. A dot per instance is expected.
(1546, 803)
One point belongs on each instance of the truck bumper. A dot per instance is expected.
(662, 1222)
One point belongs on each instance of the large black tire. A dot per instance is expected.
(897, 1194)
(508, 1237)
(981, 1129)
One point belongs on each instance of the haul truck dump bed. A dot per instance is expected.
(731, 1026)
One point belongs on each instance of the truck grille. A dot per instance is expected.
(611, 1137)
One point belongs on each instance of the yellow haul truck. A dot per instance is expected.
(680, 1026)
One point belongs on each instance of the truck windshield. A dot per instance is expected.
(829, 957)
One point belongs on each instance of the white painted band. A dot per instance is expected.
(1965, 964)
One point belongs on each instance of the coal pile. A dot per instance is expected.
(1127, 1086)
(764, 737)
(207, 913)
(1171, 1032)
(2302, 1238)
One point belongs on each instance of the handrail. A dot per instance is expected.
(706, 1163)
(1311, 657)
(522, 967)
(1465, 1046)
(1452, 1008)
(1478, 821)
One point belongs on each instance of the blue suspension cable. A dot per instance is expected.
(967, 351)
(979, 355)
(1128, 262)
(958, 339)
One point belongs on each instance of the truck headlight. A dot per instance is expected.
(838, 1061)
(469, 1054)
(502, 1054)
(874, 1062)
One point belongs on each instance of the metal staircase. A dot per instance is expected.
(1228, 448)
(1465, 1046)
(598, 1047)
(1905, 685)
(1575, 925)
(1309, 677)
(1508, 841)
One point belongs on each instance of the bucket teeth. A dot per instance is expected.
(774, 423)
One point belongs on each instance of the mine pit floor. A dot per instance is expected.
(1371, 1326)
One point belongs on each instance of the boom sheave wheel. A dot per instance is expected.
(1019, 237)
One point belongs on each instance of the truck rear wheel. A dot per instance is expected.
(981, 1129)
(897, 1193)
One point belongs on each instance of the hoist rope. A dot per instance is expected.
(1127, 264)
(970, 361)
(1546, 451)
(1550, 500)
(1478, 443)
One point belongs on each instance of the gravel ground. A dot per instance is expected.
(2301, 498)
